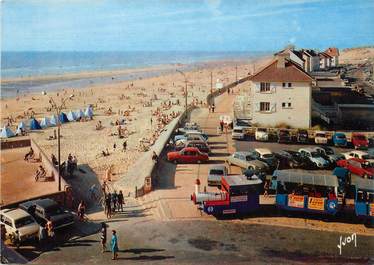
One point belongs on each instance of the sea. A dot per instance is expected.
(25, 72)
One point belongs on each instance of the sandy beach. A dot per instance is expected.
(134, 101)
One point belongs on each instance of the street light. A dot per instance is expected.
(58, 109)
(185, 92)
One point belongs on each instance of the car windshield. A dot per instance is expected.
(242, 123)
(366, 157)
(248, 158)
(261, 130)
(268, 156)
(284, 133)
(329, 151)
(54, 210)
(315, 154)
(321, 135)
(238, 130)
(360, 137)
(23, 221)
(341, 137)
(216, 172)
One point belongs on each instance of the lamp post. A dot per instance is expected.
(58, 109)
(185, 92)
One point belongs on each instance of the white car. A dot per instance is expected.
(238, 133)
(320, 137)
(18, 219)
(359, 154)
(314, 157)
(262, 134)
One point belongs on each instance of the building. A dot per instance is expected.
(281, 93)
(311, 60)
(334, 54)
(324, 60)
(292, 54)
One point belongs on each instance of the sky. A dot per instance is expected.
(181, 25)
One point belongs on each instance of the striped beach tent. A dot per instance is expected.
(53, 120)
(34, 124)
(63, 118)
(79, 114)
(6, 132)
(44, 123)
(71, 116)
(89, 112)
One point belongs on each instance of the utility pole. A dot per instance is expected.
(211, 86)
(236, 74)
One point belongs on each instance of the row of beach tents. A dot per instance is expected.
(45, 122)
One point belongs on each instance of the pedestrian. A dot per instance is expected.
(213, 107)
(42, 234)
(114, 201)
(114, 245)
(108, 208)
(114, 147)
(104, 187)
(16, 239)
(103, 237)
(120, 201)
(81, 210)
(124, 146)
(221, 123)
(50, 229)
(155, 157)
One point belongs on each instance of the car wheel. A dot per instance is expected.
(365, 176)
(198, 161)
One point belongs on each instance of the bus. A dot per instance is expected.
(363, 198)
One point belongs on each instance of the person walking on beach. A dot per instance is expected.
(124, 146)
(103, 237)
(120, 201)
(221, 123)
(114, 201)
(114, 245)
(108, 208)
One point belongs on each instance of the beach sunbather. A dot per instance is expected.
(40, 173)
(30, 155)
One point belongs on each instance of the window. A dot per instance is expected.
(283, 84)
(283, 104)
(289, 84)
(286, 105)
(264, 87)
(264, 106)
(289, 104)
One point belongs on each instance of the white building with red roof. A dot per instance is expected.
(281, 93)
(334, 54)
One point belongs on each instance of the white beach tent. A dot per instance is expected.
(6, 132)
(53, 120)
(79, 114)
(71, 116)
(21, 125)
(44, 123)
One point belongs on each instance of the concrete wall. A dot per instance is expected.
(298, 115)
(9, 144)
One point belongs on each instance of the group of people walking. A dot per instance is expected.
(113, 202)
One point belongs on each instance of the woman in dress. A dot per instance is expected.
(114, 245)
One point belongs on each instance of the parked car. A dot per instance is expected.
(315, 158)
(359, 154)
(246, 160)
(339, 139)
(187, 155)
(181, 143)
(358, 166)
(18, 219)
(190, 126)
(262, 134)
(302, 136)
(265, 155)
(359, 141)
(328, 154)
(215, 174)
(320, 137)
(284, 136)
(238, 133)
(189, 134)
(290, 159)
(245, 123)
(43, 209)
(201, 145)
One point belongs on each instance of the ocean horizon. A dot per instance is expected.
(21, 64)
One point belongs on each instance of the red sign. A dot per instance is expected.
(296, 201)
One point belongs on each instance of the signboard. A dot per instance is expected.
(371, 209)
(316, 203)
(229, 211)
(242, 198)
(296, 201)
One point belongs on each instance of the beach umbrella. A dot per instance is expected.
(71, 116)
(53, 120)
(21, 125)
(6, 132)
(44, 123)
(63, 118)
(79, 114)
(34, 124)
(89, 112)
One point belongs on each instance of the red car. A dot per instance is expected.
(188, 155)
(358, 166)
(360, 141)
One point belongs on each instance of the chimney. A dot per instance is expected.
(281, 63)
